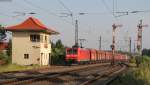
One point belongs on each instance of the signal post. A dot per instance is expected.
(139, 42)
(113, 47)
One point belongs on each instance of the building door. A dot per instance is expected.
(50, 59)
(41, 57)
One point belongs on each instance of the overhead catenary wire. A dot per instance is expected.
(16, 4)
(107, 7)
(3, 14)
(113, 8)
(93, 13)
(123, 13)
(22, 12)
(36, 6)
(45, 10)
(64, 6)
(71, 13)
(140, 11)
(6, 15)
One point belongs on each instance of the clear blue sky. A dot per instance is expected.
(97, 22)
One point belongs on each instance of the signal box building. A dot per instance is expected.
(30, 42)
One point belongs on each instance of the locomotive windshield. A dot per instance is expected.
(72, 51)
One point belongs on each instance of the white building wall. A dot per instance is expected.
(21, 45)
(45, 49)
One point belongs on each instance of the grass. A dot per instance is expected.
(136, 76)
(15, 67)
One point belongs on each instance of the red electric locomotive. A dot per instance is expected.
(77, 55)
(82, 55)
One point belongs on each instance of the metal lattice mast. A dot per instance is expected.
(100, 43)
(76, 33)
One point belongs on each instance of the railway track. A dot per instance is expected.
(106, 77)
(31, 78)
(84, 76)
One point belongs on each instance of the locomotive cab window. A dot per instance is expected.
(72, 51)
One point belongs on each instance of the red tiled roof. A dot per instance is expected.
(31, 24)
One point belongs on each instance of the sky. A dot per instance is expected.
(97, 20)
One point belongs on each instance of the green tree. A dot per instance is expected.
(58, 53)
(146, 52)
(4, 57)
(2, 33)
(9, 48)
(59, 44)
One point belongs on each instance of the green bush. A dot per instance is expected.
(4, 57)
(132, 60)
(58, 53)
(137, 76)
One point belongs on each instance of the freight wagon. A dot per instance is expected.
(83, 55)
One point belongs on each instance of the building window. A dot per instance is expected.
(26, 56)
(45, 39)
(35, 38)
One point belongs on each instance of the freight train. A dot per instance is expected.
(83, 55)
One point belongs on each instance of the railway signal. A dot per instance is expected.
(113, 47)
(139, 41)
(139, 37)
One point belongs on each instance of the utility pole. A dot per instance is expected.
(134, 47)
(130, 45)
(113, 47)
(100, 43)
(139, 41)
(76, 34)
